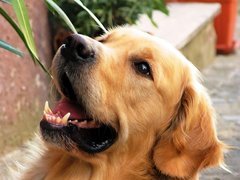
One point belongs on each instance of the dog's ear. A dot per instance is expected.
(190, 143)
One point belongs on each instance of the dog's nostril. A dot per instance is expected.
(68, 41)
(83, 51)
(77, 48)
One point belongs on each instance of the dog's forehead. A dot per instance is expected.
(129, 33)
(145, 46)
(133, 40)
(141, 38)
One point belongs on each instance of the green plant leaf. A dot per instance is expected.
(111, 13)
(7, 1)
(10, 48)
(21, 35)
(91, 14)
(12, 23)
(53, 6)
(24, 24)
(160, 5)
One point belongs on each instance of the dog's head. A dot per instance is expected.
(130, 92)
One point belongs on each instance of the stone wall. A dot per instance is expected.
(23, 85)
(201, 50)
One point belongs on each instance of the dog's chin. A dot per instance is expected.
(69, 127)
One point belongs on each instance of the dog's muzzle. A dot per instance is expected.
(70, 124)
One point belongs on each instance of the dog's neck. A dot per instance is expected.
(55, 164)
(61, 165)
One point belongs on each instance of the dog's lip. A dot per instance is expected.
(79, 136)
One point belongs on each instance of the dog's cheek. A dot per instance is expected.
(88, 90)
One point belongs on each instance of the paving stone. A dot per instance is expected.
(222, 80)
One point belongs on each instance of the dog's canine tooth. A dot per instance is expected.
(47, 108)
(65, 118)
(44, 115)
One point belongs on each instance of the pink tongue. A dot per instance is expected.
(64, 106)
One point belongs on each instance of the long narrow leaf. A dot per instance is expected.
(36, 59)
(10, 48)
(43, 67)
(24, 24)
(6, 1)
(21, 35)
(60, 12)
(13, 24)
(91, 14)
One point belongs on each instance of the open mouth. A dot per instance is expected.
(68, 123)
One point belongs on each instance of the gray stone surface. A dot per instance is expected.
(184, 22)
(222, 79)
(201, 50)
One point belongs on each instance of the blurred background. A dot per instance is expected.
(207, 32)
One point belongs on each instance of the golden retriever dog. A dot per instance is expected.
(132, 107)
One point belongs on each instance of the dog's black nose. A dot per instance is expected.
(77, 48)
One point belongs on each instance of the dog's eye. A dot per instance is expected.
(143, 68)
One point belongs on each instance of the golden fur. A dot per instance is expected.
(166, 126)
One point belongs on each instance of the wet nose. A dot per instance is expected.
(77, 48)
